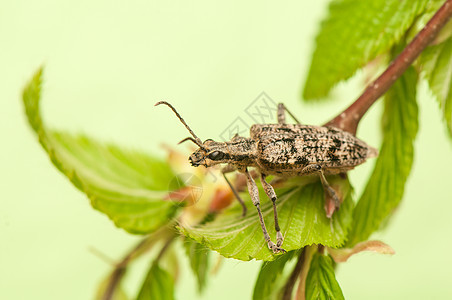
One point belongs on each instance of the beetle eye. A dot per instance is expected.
(216, 155)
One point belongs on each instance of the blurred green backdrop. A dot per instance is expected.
(108, 62)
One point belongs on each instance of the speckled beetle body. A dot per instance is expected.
(283, 150)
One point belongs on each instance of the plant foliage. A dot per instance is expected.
(354, 33)
(132, 187)
(127, 185)
(302, 220)
(386, 185)
(321, 282)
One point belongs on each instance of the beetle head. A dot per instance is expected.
(212, 153)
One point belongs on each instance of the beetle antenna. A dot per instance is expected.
(196, 139)
(188, 139)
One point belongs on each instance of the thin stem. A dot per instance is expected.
(120, 270)
(164, 248)
(288, 288)
(301, 289)
(348, 120)
(143, 246)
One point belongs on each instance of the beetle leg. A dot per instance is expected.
(254, 193)
(228, 169)
(281, 114)
(272, 195)
(329, 189)
(309, 169)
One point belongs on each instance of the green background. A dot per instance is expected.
(108, 62)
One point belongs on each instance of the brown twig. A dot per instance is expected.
(120, 270)
(164, 248)
(143, 246)
(348, 120)
(288, 287)
(301, 289)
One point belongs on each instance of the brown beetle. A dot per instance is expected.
(283, 150)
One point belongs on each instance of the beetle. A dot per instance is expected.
(283, 150)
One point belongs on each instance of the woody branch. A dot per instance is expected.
(348, 119)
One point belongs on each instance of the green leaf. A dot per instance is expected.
(386, 185)
(321, 282)
(127, 185)
(268, 282)
(199, 261)
(158, 284)
(355, 33)
(302, 219)
(436, 62)
(430, 9)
